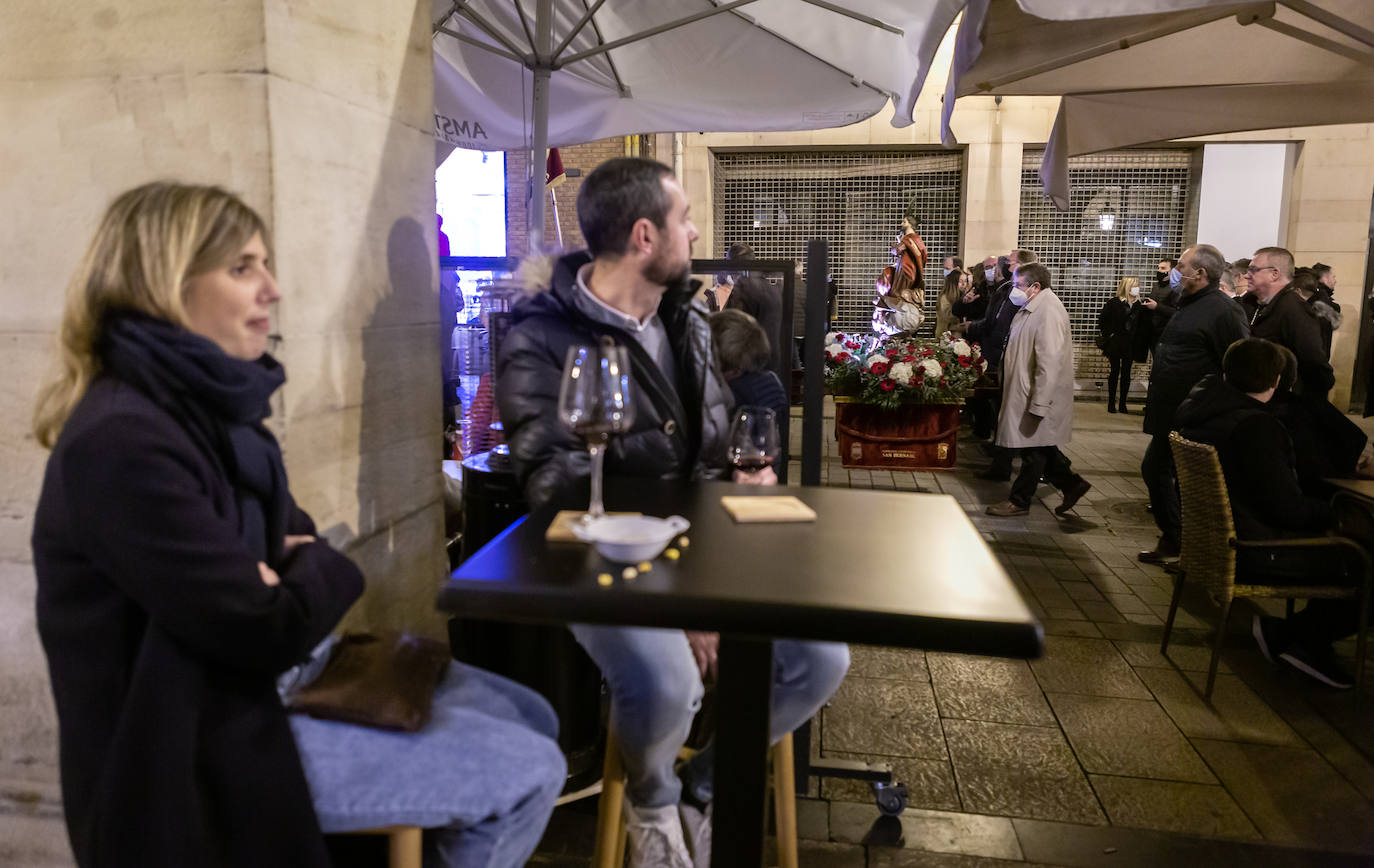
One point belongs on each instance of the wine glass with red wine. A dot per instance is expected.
(753, 443)
(594, 403)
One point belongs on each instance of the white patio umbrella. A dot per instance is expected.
(537, 73)
(1166, 69)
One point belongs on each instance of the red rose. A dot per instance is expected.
(879, 368)
(891, 354)
(927, 352)
(908, 358)
(887, 385)
(842, 358)
(964, 362)
(853, 345)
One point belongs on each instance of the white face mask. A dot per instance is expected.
(947, 271)
(1135, 292)
(1018, 296)
(989, 274)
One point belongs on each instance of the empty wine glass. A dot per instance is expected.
(594, 402)
(753, 443)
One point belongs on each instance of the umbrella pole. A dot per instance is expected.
(543, 37)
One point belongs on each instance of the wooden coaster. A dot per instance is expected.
(767, 508)
(560, 529)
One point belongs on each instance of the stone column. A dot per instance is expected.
(319, 115)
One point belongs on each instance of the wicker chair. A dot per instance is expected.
(1210, 546)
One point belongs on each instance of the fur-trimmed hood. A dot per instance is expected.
(1326, 311)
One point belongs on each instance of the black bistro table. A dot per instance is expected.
(881, 568)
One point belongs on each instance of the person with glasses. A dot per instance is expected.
(1286, 319)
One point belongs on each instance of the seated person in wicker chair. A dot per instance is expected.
(1231, 412)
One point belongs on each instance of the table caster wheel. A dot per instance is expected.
(891, 798)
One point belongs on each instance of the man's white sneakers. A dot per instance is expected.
(654, 837)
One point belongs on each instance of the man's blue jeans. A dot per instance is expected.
(483, 773)
(656, 691)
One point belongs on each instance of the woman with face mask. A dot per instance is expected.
(1115, 326)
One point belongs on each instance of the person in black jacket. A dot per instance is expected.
(1324, 309)
(760, 299)
(1191, 347)
(1231, 412)
(1162, 301)
(1114, 329)
(1286, 319)
(743, 350)
(973, 303)
(991, 334)
(632, 286)
(177, 579)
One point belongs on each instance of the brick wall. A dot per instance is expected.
(581, 157)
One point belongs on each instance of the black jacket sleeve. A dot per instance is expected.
(547, 456)
(1303, 335)
(1227, 329)
(146, 520)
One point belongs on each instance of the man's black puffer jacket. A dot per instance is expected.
(666, 439)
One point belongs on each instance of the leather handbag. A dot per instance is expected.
(381, 680)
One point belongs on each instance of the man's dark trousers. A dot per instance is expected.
(1037, 462)
(1157, 469)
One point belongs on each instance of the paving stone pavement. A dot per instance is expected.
(1103, 751)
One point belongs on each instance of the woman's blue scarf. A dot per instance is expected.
(221, 401)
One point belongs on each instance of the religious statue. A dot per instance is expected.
(901, 287)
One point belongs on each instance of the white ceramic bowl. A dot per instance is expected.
(631, 538)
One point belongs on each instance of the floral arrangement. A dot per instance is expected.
(889, 372)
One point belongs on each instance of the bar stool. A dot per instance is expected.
(610, 817)
(404, 844)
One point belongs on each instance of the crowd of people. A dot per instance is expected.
(180, 617)
(1240, 359)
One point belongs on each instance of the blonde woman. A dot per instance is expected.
(177, 579)
(957, 282)
(1115, 327)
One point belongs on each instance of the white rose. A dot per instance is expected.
(931, 369)
(961, 348)
(873, 360)
(832, 337)
(901, 372)
(835, 349)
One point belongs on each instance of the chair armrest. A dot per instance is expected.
(1299, 543)
(1367, 568)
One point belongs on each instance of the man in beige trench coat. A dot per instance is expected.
(1037, 394)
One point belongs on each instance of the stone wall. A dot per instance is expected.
(319, 115)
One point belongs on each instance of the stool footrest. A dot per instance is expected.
(854, 770)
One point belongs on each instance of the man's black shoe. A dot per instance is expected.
(1072, 495)
(1165, 550)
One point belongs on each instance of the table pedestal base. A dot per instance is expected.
(744, 691)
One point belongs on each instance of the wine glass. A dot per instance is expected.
(594, 403)
(753, 443)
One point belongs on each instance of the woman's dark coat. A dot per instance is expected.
(1114, 323)
(164, 645)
